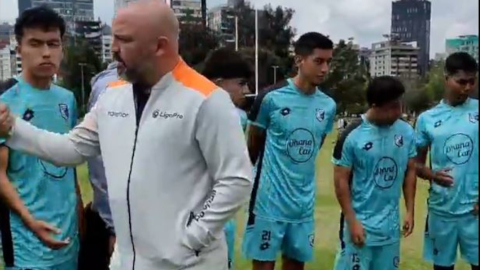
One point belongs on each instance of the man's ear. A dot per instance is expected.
(298, 60)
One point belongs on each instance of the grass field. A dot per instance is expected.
(327, 221)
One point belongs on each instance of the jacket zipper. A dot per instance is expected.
(137, 121)
(128, 199)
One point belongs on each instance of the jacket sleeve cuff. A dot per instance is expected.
(197, 237)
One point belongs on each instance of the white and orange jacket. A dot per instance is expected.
(174, 179)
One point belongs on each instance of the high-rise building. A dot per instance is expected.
(107, 44)
(5, 61)
(91, 33)
(5, 31)
(195, 10)
(467, 43)
(411, 22)
(221, 20)
(71, 10)
(394, 58)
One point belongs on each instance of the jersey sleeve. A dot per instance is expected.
(74, 117)
(260, 113)
(343, 152)
(331, 121)
(422, 138)
(412, 151)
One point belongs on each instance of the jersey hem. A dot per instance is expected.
(285, 220)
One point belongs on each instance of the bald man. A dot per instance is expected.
(176, 169)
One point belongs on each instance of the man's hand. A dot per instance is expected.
(443, 178)
(6, 121)
(408, 224)
(357, 233)
(475, 209)
(44, 232)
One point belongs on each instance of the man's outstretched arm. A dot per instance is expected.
(60, 149)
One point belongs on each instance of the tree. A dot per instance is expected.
(266, 60)
(275, 32)
(347, 79)
(196, 42)
(435, 86)
(71, 71)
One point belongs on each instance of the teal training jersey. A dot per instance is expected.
(48, 191)
(378, 158)
(295, 125)
(451, 133)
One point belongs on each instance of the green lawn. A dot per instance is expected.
(327, 220)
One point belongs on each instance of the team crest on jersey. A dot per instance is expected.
(473, 117)
(64, 111)
(311, 239)
(398, 140)
(320, 114)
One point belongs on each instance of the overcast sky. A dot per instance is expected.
(365, 20)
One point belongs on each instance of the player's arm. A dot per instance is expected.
(222, 143)
(330, 125)
(343, 156)
(60, 149)
(410, 188)
(423, 143)
(258, 123)
(9, 193)
(12, 200)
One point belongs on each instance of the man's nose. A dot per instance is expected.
(46, 53)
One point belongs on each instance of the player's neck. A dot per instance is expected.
(452, 101)
(303, 85)
(37, 82)
(372, 117)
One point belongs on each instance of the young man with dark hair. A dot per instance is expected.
(374, 160)
(39, 223)
(289, 123)
(231, 72)
(450, 132)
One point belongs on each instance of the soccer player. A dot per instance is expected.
(374, 160)
(39, 223)
(231, 72)
(289, 123)
(450, 131)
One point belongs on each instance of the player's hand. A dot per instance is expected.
(6, 120)
(408, 225)
(357, 233)
(443, 178)
(44, 232)
(475, 209)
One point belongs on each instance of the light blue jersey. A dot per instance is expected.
(243, 119)
(48, 191)
(296, 125)
(378, 158)
(452, 135)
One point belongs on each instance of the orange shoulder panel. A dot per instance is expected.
(117, 83)
(192, 79)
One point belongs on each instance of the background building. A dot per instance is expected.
(107, 44)
(71, 10)
(5, 61)
(221, 20)
(5, 31)
(468, 43)
(394, 58)
(411, 22)
(91, 33)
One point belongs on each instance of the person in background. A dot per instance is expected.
(449, 131)
(288, 126)
(374, 160)
(98, 244)
(39, 218)
(231, 72)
